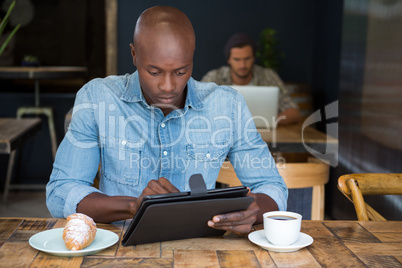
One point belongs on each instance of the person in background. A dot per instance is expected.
(153, 129)
(240, 52)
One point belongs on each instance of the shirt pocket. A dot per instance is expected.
(121, 160)
(207, 152)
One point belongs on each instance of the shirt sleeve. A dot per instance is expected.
(220, 76)
(252, 160)
(77, 161)
(209, 77)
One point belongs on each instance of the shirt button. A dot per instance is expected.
(163, 125)
(164, 152)
(208, 155)
(123, 142)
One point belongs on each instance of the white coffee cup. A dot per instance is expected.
(282, 228)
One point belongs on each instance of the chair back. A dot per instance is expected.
(295, 175)
(355, 186)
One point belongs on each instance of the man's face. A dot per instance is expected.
(164, 65)
(241, 61)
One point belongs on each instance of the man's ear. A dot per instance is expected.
(228, 60)
(133, 54)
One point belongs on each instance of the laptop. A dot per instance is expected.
(262, 102)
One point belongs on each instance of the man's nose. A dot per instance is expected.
(167, 83)
(243, 63)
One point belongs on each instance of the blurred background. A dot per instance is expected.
(348, 50)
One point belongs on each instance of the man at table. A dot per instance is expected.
(151, 130)
(240, 52)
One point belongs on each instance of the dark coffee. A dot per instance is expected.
(282, 218)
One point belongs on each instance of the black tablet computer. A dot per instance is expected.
(183, 215)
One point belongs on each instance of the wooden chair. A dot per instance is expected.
(295, 175)
(354, 186)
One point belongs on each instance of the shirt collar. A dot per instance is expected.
(192, 99)
(133, 93)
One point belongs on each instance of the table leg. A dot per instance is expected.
(9, 174)
(37, 98)
(52, 131)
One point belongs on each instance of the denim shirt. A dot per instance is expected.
(112, 125)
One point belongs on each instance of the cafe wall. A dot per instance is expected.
(64, 33)
(215, 21)
(59, 33)
(73, 33)
(370, 121)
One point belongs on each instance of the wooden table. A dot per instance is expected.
(336, 244)
(13, 132)
(295, 138)
(37, 74)
(41, 73)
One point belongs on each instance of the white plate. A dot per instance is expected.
(51, 241)
(258, 238)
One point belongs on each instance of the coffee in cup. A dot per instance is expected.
(282, 228)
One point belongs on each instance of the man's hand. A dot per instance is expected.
(288, 117)
(103, 208)
(242, 221)
(160, 186)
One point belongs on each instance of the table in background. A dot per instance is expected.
(37, 74)
(13, 133)
(294, 139)
(336, 244)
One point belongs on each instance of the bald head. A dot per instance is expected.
(164, 21)
(163, 51)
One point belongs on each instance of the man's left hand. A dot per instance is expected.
(240, 221)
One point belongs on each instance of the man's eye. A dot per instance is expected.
(181, 73)
(153, 73)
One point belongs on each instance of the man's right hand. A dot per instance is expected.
(160, 186)
(105, 209)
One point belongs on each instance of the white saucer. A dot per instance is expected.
(258, 238)
(51, 241)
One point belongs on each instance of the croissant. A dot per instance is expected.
(79, 231)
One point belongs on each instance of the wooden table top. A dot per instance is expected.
(15, 131)
(336, 244)
(42, 72)
(294, 138)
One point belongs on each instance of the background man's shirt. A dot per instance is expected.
(261, 77)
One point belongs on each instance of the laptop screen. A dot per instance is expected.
(262, 102)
